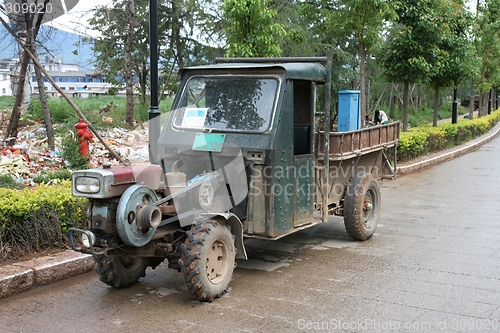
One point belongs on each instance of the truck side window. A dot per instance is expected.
(302, 116)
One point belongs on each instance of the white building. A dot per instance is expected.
(69, 77)
(72, 79)
(6, 69)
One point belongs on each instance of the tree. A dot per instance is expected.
(411, 52)
(27, 25)
(127, 68)
(311, 31)
(365, 20)
(487, 44)
(121, 51)
(250, 30)
(455, 61)
(43, 100)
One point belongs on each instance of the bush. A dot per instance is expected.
(411, 144)
(436, 139)
(60, 111)
(6, 181)
(427, 139)
(51, 176)
(451, 133)
(71, 152)
(37, 219)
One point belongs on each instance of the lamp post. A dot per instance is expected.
(154, 112)
(490, 102)
(454, 108)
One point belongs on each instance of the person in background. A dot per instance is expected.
(368, 120)
(380, 117)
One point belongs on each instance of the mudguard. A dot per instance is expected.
(236, 229)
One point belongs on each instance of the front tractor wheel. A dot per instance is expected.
(207, 260)
(121, 271)
(362, 206)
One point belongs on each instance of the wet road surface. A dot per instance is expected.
(432, 266)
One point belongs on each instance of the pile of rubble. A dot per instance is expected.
(132, 145)
(31, 156)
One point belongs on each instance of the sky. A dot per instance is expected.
(75, 20)
(64, 44)
(472, 5)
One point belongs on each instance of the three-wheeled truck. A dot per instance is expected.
(243, 153)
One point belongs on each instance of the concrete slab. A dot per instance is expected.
(14, 280)
(57, 267)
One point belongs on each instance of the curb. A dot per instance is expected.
(451, 153)
(27, 275)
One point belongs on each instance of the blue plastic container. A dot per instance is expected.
(349, 111)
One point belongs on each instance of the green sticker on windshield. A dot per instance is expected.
(209, 142)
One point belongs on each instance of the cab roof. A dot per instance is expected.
(309, 71)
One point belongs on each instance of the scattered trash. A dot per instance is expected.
(30, 156)
(107, 120)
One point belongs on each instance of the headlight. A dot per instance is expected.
(87, 185)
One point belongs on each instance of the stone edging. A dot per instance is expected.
(26, 275)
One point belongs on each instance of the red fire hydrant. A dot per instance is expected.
(84, 137)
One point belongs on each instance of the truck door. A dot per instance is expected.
(304, 93)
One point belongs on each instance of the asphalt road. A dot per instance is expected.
(432, 266)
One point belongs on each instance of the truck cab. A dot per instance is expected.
(262, 115)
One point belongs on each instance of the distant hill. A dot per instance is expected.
(56, 43)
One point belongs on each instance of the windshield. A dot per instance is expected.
(227, 103)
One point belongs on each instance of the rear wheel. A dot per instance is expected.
(121, 271)
(362, 206)
(208, 259)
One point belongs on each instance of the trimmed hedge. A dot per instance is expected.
(426, 139)
(37, 219)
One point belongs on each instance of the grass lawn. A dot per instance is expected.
(95, 109)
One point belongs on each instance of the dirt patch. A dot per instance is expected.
(15, 257)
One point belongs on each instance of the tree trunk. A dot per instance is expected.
(175, 39)
(362, 53)
(129, 82)
(12, 127)
(31, 34)
(406, 99)
(43, 100)
(471, 105)
(371, 109)
(41, 89)
(144, 80)
(142, 72)
(413, 96)
(479, 112)
(369, 97)
(390, 96)
(422, 98)
(436, 105)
